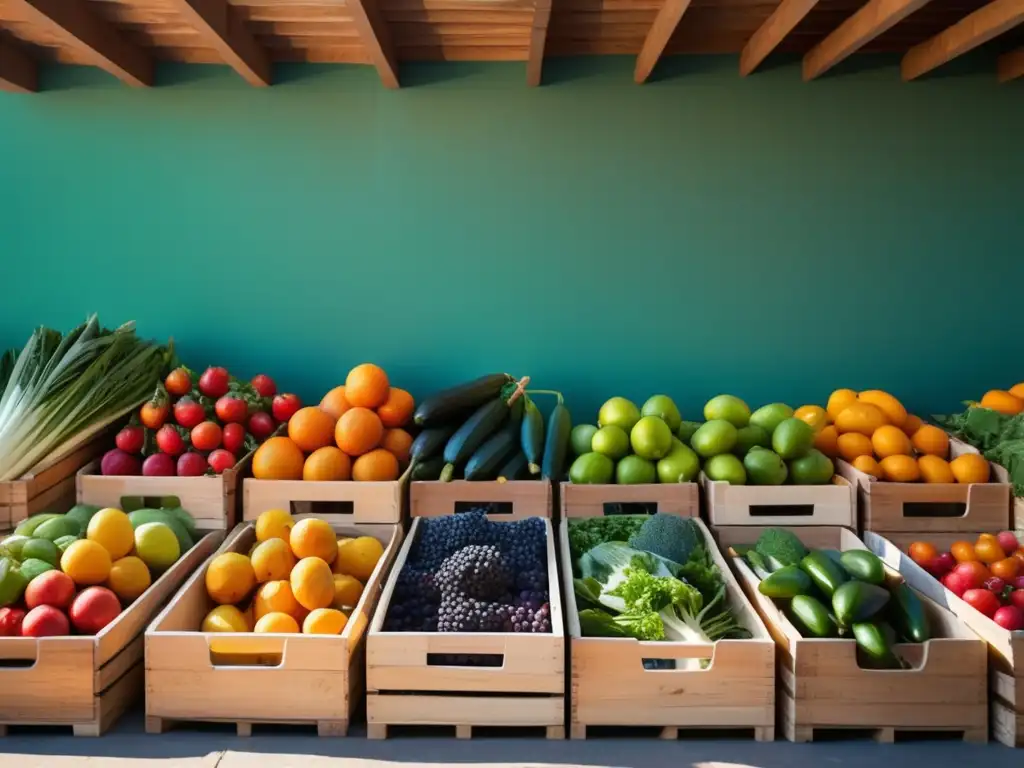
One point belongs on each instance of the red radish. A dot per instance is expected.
(982, 601)
(1017, 582)
(264, 385)
(284, 406)
(1008, 541)
(995, 584)
(130, 439)
(45, 621)
(262, 425)
(1017, 598)
(234, 438)
(117, 462)
(231, 409)
(956, 583)
(170, 441)
(221, 460)
(50, 588)
(214, 382)
(159, 465)
(1009, 617)
(10, 621)
(192, 464)
(206, 436)
(188, 413)
(945, 562)
(178, 382)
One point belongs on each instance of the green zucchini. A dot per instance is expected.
(789, 581)
(857, 601)
(532, 436)
(825, 572)
(907, 614)
(516, 409)
(863, 565)
(811, 617)
(430, 469)
(484, 422)
(556, 446)
(515, 468)
(430, 442)
(873, 640)
(454, 401)
(489, 457)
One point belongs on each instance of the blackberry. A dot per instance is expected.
(524, 619)
(440, 537)
(524, 543)
(477, 571)
(535, 580)
(459, 613)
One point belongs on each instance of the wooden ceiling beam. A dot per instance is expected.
(376, 38)
(783, 20)
(870, 21)
(665, 23)
(538, 39)
(219, 25)
(19, 73)
(973, 30)
(75, 22)
(1010, 66)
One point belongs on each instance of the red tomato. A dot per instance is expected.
(284, 406)
(10, 621)
(206, 436)
(178, 382)
(973, 573)
(982, 601)
(234, 438)
(188, 413)
(130, 439)
(214, 382)
(153, 415)
(956, 583)
(1017, 598)
(264, 385)
(170, 441)
(262, 425)
(1009, 617)
(221, 460)
(231, 409)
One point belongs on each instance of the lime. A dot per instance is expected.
(765, 467)
(686, 430)
(714, 437)
(793, 438)
(612, 441)
(651, 438)
(592, 469)
(770, 416)
(619, 412)
(633, 470)
(726, 468)
(663, 407)
(156, 545)
(681, 465)
(728, 408)
(581, 438)
(750, 436)
(813, 468)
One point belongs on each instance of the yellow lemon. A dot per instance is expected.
(129, 577)
(275, 597)
(347, 590)
(86, 562)
(112, 530)
(274, 524)
(324, 621)
(314, 538)
(229, 578)
(276, 622)
(225, 618)
(312, 583)
(272, 560)
(359, 557)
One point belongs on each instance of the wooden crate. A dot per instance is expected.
(244, 678)
(404, 688)
(51, 489)
(611, 687)
(929, 507)
(599, 500)
(1016, 502)
(510, 500)
(822, 688)
(87, 682)
(834, 504)
(335, 501)
(1006, 649)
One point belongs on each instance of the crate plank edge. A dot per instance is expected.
(403, 689)
(590, 500)
(371, 502)
(528, 498)
(318, 679)
(834, 504)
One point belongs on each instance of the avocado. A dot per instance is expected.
(856, 601)
(41, 549)
(792, 438)
(185, 519)
(143, 516)
(64, 542)
(788, 581)
(82, 514)
(825, 572)
(770, 416)
(54, 529)
(811, 617)
(863, 565)
(28, 527)
(749, 437)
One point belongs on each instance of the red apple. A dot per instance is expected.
(1008, 541)
(1009, 617)
(11, 618)
(51, 588)
(93, 609)
(45, 621)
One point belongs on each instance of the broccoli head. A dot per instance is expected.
(668, 536)
(782, 545)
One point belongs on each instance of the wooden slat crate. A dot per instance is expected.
(599, 500)
(1016, 502)
(335, 501)
(88, 682)
(511, 500)
(822, 688)
(404, 688)
(611, 687)
(244, 678)
(834, 504)
(929, 507)
(1006, 649)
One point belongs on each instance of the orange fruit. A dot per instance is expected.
(225, 618)
(970, 468)
(311, 428)
(935, 469)
(358, 431)
(853, 444)
(273, 524)
(274, 597)
(278, 459)
(887, 404)
(1019, 554)
(367, 386)
(989, 551)
(376, 466)
(397, 409)
(397, 442)
(912, 424)
(347, 590)
(229, 578)
(129, 577)
(312, 583)
(359, 557)
(922, 552)
(86, 562)
(864, 418)
(931, 440)
(963, 551)
(314, 538)
(277, 622)
(827, 441)
(1003, 402)
(327, 463)
(813, 415)
(334, 403)
(868, 466)
(900, 469)
(324, 621)
(838, 400)
(889, 440)
(272, 560)
(1017, 390)
(1006, 569)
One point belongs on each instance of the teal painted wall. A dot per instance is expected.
(703, 233)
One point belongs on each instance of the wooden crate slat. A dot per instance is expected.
(371, 502)
(590, 500)
(834, 504)
(527, 498)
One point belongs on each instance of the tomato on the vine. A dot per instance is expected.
(178, 382)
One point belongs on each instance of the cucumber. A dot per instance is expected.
(430, 442)
(874, 642)
(825, 572)
(453, 402)
(811, 617)
(863, 566)
(489, 457)
(786, 582)
(906, 611)
(429, 469)
(484, 422)
(28, 527)
(532, 436)
(757, 564)
(515, 468)
(556, 446)
(857, 601)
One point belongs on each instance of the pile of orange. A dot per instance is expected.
(356, 433)
(1008, 402)
(873, 431)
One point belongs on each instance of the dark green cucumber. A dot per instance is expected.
(516, 468)
(863, 566)
(811, 617)
(873, 640)
(786, 582)
(532, 436)
(906, 611)
(825, 572)
(858, 601)
(489, 457)
(556, 446)
(484, 422)
(430, 469)
(430, 442)
(453, 402)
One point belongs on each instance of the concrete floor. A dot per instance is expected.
(214, 746)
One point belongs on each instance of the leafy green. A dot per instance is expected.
(670, 536)
(1000, 438)
(7, 361)
(643, 626)
(586, 534)
(782, 545)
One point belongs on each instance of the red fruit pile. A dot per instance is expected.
(52, 608)
(198, 426)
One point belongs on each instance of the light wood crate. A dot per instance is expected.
(335, 501)
(404, 688)
(1016, 502)
(610, 687)
(88, 682)
(244, 678)
(921, 507)
(510, 500)
(822, 688)
(834, 504)
(599, 500)
(1006, 649)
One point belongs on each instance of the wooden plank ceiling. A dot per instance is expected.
(126, 37)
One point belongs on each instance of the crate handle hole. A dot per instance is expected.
(321, 508)
(490, 507)
(17, 663)
(132, 503)
(934, 509)
(221, 659)
(630, 508)
(781, 510)
(666, 665)
(465, 659)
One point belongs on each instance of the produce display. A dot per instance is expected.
(76, 572)
(298, 577)
(827, 593)
(355, 433)
(997, 430)
(487, 429)
(987, 574)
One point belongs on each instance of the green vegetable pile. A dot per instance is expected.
(1000, 438)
